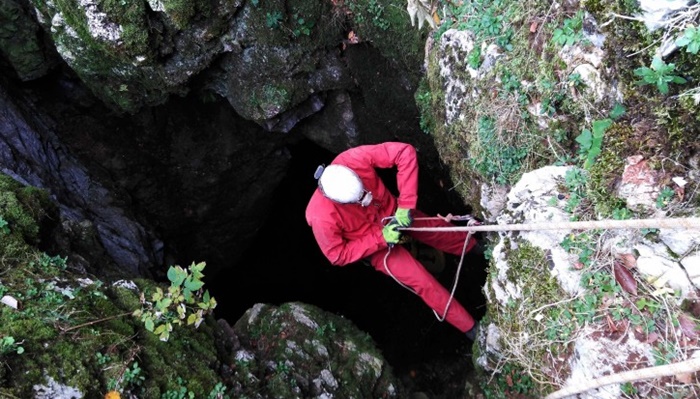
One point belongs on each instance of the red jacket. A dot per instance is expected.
(347, 233)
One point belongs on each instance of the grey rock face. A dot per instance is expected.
(31, 153)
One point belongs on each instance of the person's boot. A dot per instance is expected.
(471, 334)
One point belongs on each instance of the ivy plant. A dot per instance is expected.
(690, 40)
(590, 141)
(659, 74)
(184, 301)
(4, 226)
(570, 32)
(8, 345)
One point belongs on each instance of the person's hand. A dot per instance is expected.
(403, 217)
(391, 233)
(447, 218)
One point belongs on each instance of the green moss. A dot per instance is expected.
(180, 11)
(521, 320)
(130, 15)
(24, 211)
(605, 172)
(526, 72)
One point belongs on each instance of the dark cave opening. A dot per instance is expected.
(285, 264)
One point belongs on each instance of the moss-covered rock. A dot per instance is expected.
(299, 350)
(22, 41)
(23, 213)
(133, 53)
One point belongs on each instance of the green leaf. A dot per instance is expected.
(600, 126)
(160, 329)
(694, 47)
(149, 324)
(643, 71)
(181, 311)
(163, 304)
(585, 139)
(198, 267)
(176, 275)
(691, 39)
(682, 41)
(658, 64)
(617, 111)
(592, 155)
(193, 285)
(157, 296)
(191, 319)
(557, 36)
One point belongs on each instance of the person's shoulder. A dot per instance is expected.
(318, 203)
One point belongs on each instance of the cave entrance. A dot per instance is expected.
(285, 264)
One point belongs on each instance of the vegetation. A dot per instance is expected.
(513, 101)
(66, 324)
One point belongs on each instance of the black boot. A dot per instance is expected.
(471, 334)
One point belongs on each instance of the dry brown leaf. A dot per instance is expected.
(436, 18)
(680, 192)
(652, 337)
(688, 326)
(684, 378)
(626, 280)
(627, 260)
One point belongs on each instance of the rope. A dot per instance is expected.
(677, 223)
(686, 366)
(472, 226)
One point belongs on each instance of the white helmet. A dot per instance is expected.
(341, 184)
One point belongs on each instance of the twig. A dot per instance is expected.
(93, 322)
(5, 394)
(614, 15)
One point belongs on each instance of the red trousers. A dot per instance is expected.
(410, 272)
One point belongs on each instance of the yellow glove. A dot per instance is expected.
(403, 217)
(391, 233)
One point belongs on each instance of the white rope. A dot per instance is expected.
(669, 223)
(686, 366)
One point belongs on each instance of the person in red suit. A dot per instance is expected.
(348, 213)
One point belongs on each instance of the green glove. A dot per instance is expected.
(403, 217)
(391, 233)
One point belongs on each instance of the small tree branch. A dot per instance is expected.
(93, 322)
